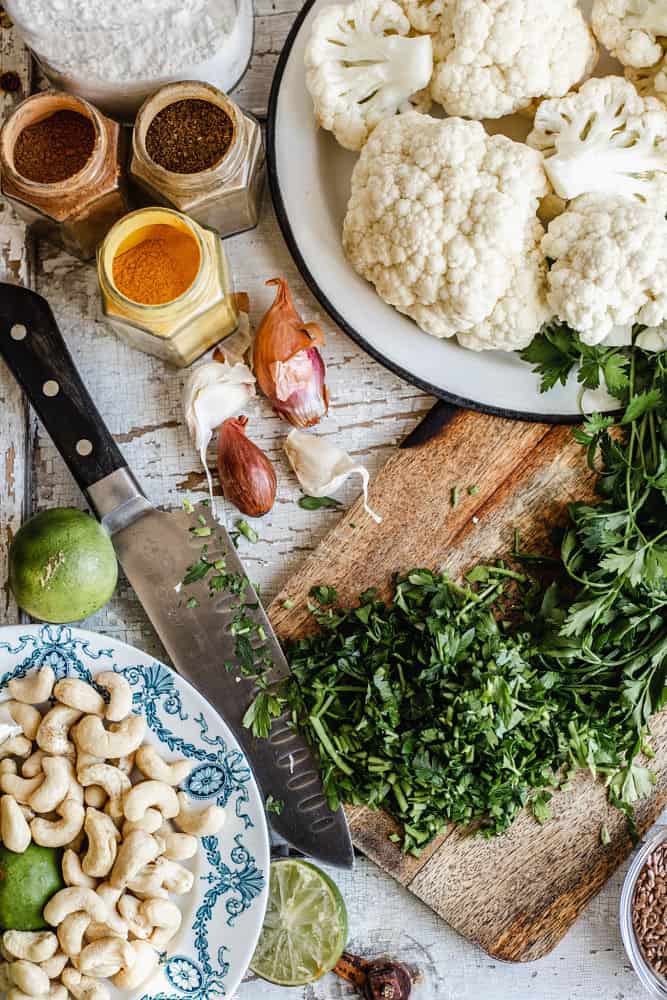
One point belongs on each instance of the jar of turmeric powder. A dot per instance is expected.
(62, 170)
(166, 285)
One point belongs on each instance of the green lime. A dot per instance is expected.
(27, 882)
(62, 566)
(305, 927)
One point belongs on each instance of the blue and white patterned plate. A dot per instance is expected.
(223, 915)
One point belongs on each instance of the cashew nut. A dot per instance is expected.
(34, 688)
(53, 967)
(58, 833)
(33, 946)
(77, 694)
(54, 728)
(55, 992)
(70, 932)
(9, 766)
(121, 739)
(120, 692)
(14, 829)
(21, 788)
(15, 746)
(26, 716)
(179, 846)
(32, 766)
(50, 792)
(29, 978)
(138, 925)
(151, 765)
(165, 917)
(94, 796)
(150, 822)
(137, 850)
(112, 780)
(103, 837)
(71, 900)
(5, 981)
(114, 924)
(160, 876)
(106, 957)
(82, 987)
(199, 822)
(146, 961)
(84, 759)
(147, 795)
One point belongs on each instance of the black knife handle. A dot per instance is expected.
(36, 354)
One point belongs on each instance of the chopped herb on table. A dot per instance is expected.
(318, 503)
(464, 704)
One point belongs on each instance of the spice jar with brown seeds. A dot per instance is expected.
(643, 913)
(166, 286)
(62, 171)
(196, 151)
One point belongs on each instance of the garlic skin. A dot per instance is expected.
(214, 391)
(322, 468)
(288, 366)
(247, 475)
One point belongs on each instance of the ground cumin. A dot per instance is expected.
(55, 148)
(158, 268)
(189, 136)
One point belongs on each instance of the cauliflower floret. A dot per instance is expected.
(651, 81)
(494, 57)
(630, 29)
(442, 220)
(360, 68)
(605, 139)
(609, 266)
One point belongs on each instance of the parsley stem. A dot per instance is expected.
(327, 745)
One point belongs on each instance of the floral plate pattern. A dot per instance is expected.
(224, 912)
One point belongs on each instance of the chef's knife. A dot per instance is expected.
(155, 549)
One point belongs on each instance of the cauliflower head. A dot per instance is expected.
(650, 81)
(609, 266)
(631, 29)
(605, 139)
(494, 57)
(442, 220)
(361, 67)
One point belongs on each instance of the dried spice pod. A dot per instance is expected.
(247, 475)
(380, 979)
(287, 363)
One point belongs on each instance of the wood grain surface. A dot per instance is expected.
(518, 894)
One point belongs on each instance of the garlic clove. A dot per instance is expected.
(322, 467)
(214, 391)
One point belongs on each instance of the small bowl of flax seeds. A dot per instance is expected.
(644, 913)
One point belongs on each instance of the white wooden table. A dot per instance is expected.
(371, 412)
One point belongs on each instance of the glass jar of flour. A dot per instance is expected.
(115, 54)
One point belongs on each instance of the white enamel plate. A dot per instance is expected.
(310, 175)
(223, 914)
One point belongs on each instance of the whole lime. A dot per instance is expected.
(27, 882)
(62, 566)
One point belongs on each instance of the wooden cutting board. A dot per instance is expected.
(516, 895)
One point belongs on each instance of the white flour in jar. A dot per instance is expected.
(125, 40)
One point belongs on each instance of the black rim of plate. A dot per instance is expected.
(325, 302)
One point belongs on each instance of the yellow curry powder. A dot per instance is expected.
(158, 268)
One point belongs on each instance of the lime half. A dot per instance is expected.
(305, 928)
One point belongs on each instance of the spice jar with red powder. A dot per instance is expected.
(196, 151)
(166, 285)
(61, 162)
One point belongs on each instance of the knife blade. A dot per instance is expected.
(155, 549)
